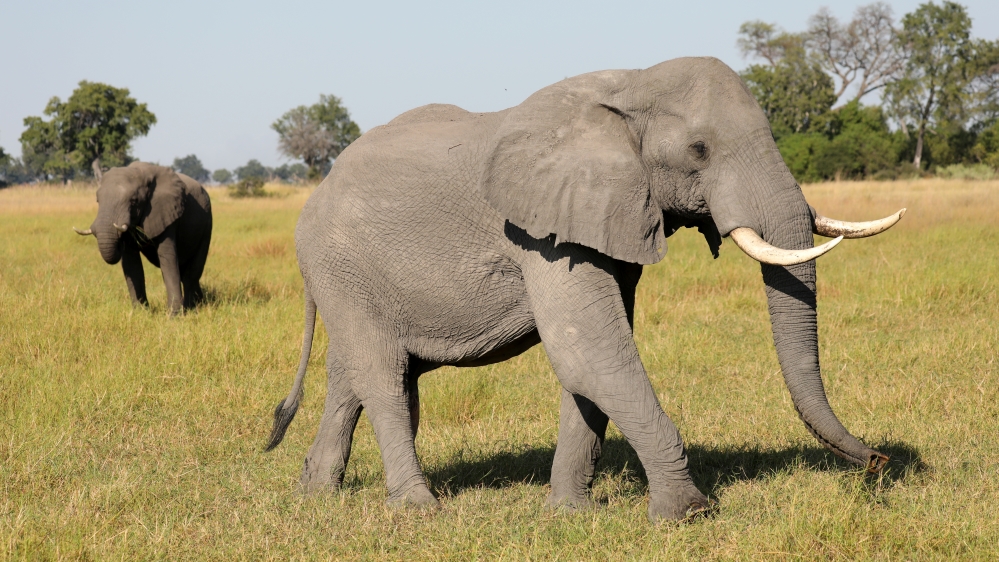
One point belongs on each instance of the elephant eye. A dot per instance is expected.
(698, 150)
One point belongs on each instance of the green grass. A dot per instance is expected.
(125, 434)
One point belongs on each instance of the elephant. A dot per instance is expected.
(447, 237)
(164, 215)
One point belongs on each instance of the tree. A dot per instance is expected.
(792, 93)
(866, 48)
(316, 134)
(253, 169)
(42, 153)
(222, 176)
(95, 126)
(984, 88)
(769, 42)
(941, 63)
(292, 172)
(791, 89)
(5, 162)
(191, 166)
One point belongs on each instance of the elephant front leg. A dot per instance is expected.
(135, 279)
(584, 326)
(581, 430)
(169, 265)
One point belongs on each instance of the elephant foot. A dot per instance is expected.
(570, 503)
(419, 497)
(679, 504)
(312, 482)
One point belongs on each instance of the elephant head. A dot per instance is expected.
(140, 200)
(619, 160)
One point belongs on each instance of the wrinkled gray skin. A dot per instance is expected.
(454, 238)
(168, 219)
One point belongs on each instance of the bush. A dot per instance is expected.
(986, 149)
(800, 151)
(851, 142)
(249, 187)
(968, 172)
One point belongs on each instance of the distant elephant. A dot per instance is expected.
(454, 238)
(166, 216)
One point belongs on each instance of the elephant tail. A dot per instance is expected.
(285, 411)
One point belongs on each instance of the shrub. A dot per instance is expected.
(800, 151)
(248, 187)
(968, 172)
(986, 149)
(851, 142)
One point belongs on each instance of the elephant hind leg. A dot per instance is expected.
(581, 430)
(326, 462)
(378, 370)
(191, 276)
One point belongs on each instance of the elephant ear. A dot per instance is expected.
(565, 162)
(166, 204)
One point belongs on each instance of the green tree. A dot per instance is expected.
(94, 127)
(5, 162)
(860, 143)
(42, 152)
(222, 176)
(792, 89)
(986, 148)
(849, 142)
(253, 169)
(191, 166)
(316, 134)
(758, 39)
(942, 61)
(292, 172)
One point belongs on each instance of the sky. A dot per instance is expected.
(217, 74)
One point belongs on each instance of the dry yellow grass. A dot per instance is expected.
(931, 202)
(128, 435)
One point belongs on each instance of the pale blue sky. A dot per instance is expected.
(217, 74)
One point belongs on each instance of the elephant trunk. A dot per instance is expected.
(791, 299)
(106, 229)
(773, 206)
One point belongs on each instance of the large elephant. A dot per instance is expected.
(164, 215)
(454, 238)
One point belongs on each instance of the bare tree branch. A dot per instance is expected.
(865, 49)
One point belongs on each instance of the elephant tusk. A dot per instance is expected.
(755, 247)
(87, 232)
(825, 226)
(121, 228)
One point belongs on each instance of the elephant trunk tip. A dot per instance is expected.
(877, 462)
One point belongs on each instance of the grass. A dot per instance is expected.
(125, 434)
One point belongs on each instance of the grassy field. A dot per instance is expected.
(125, 434)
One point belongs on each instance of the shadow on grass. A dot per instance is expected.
(244, 291)
(711, 468)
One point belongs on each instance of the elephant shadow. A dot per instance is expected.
(712, 468)
(247, 290)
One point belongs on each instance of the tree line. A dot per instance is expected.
(93, 131)
(938, 87)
